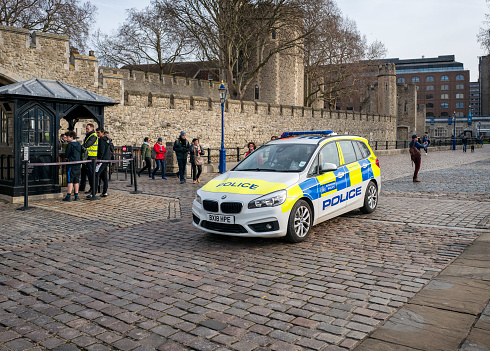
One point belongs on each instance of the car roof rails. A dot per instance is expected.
(309, 132)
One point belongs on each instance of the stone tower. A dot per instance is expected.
(387, 103)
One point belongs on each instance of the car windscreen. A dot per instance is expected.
(278, 158)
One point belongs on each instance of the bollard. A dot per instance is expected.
(94, 180)
(26, 187)
(133, 172)
(131, 166)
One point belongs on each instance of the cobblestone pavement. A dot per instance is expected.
(141, 277)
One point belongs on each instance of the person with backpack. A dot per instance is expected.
(73, 153)
(416, 155)
(146, 155)
(159, 151)
(182, 147)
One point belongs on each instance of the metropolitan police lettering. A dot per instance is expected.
(242, 185)
(342, 197)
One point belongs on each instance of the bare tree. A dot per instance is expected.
(337, 56)
(151, 35)
(239, 37)
(484, 34)
(67, 17)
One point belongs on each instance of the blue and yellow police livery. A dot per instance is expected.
(290, 184)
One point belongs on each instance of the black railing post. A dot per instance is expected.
(238, 154)
(386, 144)
(209, 155)
(131, 166)
(133, 173)
(396, 144)
(376, 145)
(26, 187)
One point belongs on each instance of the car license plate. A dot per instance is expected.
(221, 219)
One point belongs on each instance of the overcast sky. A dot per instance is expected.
(408, 28)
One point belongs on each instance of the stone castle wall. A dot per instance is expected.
(141, 113)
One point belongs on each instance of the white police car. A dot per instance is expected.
(290, 184)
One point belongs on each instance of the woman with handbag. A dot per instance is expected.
(196, 160)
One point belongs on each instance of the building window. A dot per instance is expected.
(444, 96)
(459, 105)
(429, 114)
(36, 127)
(444, 87)
(430, 105)
(444, 114)
(273, 34)
(459, 114)
(429, 79)
(444, 78)
(459, 96)
(459, 86)
(3, 127)
(210, 76)
(429, 96)
(256, 92)
(441, 132)
(415, 79)
(444, 105)
(460, 77)
(401, 80)
(429, 87)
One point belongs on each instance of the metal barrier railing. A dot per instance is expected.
(94, 162)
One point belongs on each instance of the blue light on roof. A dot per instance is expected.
(309, 132)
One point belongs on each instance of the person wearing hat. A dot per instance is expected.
(417, 159)
(182, 147)
(160, 150)
(146, 155)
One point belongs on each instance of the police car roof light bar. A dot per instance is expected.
(314, 132)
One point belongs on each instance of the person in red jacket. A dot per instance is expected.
(160, 158)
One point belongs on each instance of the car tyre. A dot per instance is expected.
(370, 198)
(300, 222)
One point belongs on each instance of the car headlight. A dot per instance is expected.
(198, 199)
(273, 199)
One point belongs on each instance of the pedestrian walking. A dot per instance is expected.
(90, 143)
(464, 140)
(73, 153)
(426, 141)
(196, 160)
(182, 147)
(160, 151)
(416, 156)
(146, 156)
(112, 150)
(251, 148)
(103, 153)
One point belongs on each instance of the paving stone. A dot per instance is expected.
(213, 324)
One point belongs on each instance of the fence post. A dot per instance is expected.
(95, 186)
(238, 154)
(26, 187)
(131, 166)
(209, 155)
(376, 145)
(386, 144)
(396, 144)
(133, 173)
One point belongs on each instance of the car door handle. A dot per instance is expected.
(364, 165)
(340, 175)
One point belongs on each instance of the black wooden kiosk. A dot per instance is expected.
(30, 115)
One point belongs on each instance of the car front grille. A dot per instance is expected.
(231, 207)
(210, 205)
(223, 227)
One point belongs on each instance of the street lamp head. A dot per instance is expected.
(222, 92)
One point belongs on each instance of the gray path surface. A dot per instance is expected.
(130, 272)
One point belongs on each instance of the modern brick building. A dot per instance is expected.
(475, 107)
(443, 84)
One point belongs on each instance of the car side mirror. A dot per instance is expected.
(328, 167)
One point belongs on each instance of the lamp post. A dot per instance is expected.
(222, 152)
(479, 132)
(454, 130)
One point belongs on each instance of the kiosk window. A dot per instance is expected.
(3, 127)
(36, 127)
